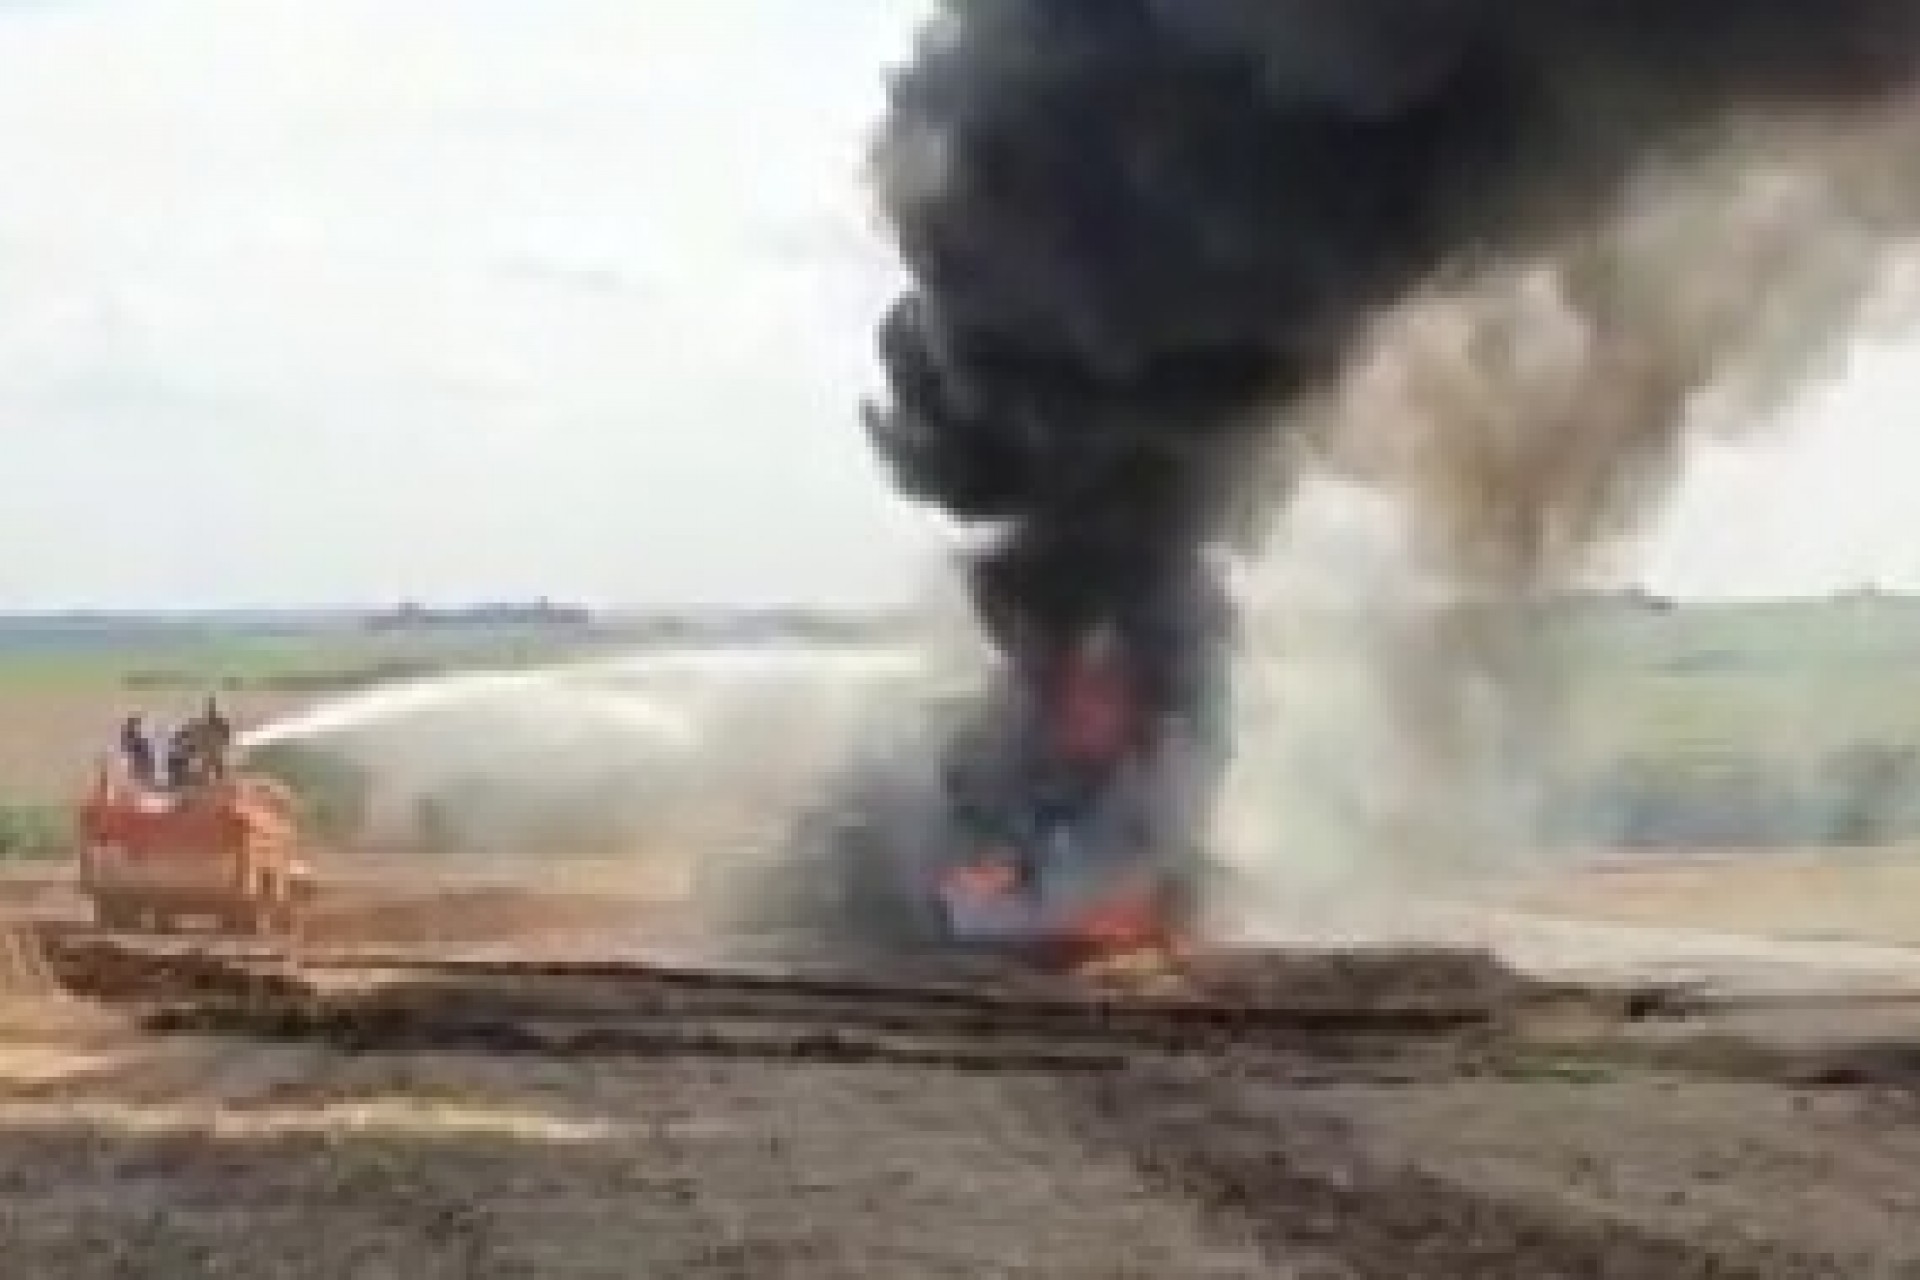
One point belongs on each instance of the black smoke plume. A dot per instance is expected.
(1140, 230)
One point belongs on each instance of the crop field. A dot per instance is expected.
(545, 1063)
(1797, 676)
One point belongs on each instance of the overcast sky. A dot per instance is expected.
(310, 301)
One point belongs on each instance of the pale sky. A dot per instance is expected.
(323, 301)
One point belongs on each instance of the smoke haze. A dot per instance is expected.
(1493, 258)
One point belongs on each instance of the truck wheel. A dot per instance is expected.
(112, 916)
(252, 921)
(267, 918)
(276, 919)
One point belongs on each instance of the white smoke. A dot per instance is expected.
(1401, 689)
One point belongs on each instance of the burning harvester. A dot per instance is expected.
(1145, 234)
(1079, 798)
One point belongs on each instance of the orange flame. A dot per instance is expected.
(993, 878)
(1126, 921)
(1130, 919)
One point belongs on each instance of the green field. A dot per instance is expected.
(1793, 678)
(1769, 723)
(321, 660)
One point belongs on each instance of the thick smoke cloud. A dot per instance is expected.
(1147, 235)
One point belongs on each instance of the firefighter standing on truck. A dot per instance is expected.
(216, 739)
(197, 751)
(136, 749)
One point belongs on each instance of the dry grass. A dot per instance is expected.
(23, 971)
(1816, 895)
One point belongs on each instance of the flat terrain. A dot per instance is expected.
(195, 1107)
(1671, 1066)
(1846, 895)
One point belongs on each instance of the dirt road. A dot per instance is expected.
(1402, 1115)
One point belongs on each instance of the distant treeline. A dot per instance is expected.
(761, 626)
(456, 641)
(42, 632)
(571, 625)
(538, 614)
(343, 679)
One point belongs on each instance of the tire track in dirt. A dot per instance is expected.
(761, 1125)
(406, 1017)
(235, 1159)
(284, 1163)
(894, 1173)
(1294, 1180)
(368, 1030)
(956, 1089)
(180, 1165)
(639, 1008)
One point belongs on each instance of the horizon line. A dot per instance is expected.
(614, 611)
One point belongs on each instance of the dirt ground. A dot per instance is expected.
(452, 1107)
(1816, 895)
